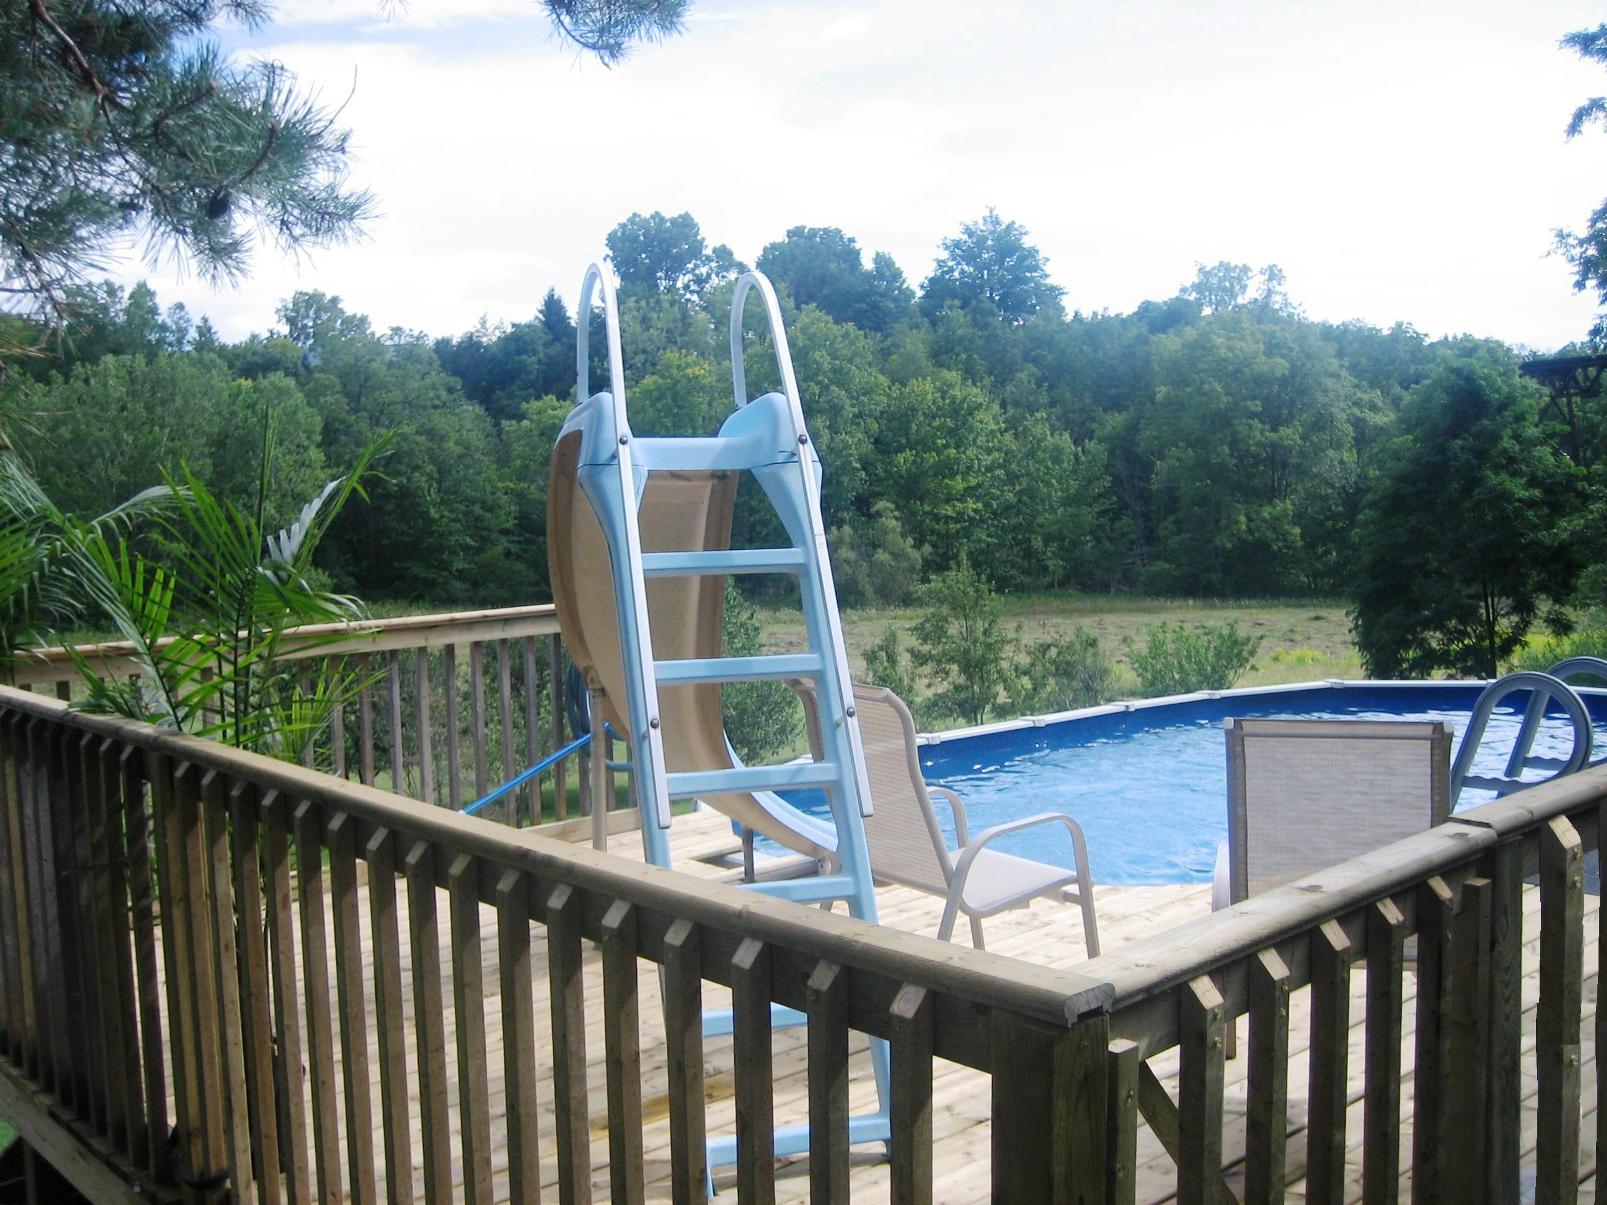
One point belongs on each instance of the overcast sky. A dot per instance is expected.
(1402, 160)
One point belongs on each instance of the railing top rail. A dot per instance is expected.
(975, 976)
(367, 636)
(1158, 963)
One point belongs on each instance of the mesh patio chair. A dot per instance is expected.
(907, 845)
(1305, 794)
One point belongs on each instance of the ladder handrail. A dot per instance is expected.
(838, 695)
(641, 713)
(1563, 671)
(616, 358)
(1544, 686)
(746, 283)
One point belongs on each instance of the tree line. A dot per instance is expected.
(1216, 443)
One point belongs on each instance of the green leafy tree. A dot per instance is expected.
(821, 266)
(1054, 523)
(658, 254)
(887, 664)
(942, 452)
(1587, 250)
(1226, 286)
(685, 395)
(1248, 426)
(1178, 659)
(990, 262)
(961, 643)
(1463, 540)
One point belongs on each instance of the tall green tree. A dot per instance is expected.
(990, 262)
(1587, 249)
(1247, 428)
(821, 266)
(1463, 543)
(124, 118)
(656, 254)
(942, 452)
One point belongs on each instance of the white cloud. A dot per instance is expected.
(1399, 161)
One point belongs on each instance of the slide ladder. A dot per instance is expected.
(767, 438)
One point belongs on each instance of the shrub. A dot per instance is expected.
(960, 642)
(887, 664)
(875, 563)
(1542, 652)
(1177, 658)
(1058, 675)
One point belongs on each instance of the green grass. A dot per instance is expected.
(1301, 639)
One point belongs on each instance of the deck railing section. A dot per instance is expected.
(1492, 1098)
(189, 977)
(452, 705)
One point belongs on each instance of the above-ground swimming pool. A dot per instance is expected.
(1148, 781)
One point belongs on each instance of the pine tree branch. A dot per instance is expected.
(85, 70)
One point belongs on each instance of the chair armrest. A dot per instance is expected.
(1221, 888)
(969, 853)
(961, 831)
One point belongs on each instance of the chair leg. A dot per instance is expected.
(1085, 894)
(976, 933)
(951, 913)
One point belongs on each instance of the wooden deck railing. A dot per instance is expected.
(163, 965)
(455, 705)
(188, 977)
(1453, 898)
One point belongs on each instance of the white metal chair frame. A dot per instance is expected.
(974, 854)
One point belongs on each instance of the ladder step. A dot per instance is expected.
(739, 669)
(752, 778)
(725, 560)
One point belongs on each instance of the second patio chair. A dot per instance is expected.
(1305, 794)
(907, 844)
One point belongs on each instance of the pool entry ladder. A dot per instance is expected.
(767, 437)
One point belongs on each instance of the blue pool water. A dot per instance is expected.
(1149, 785)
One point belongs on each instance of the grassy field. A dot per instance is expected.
(1301, 639)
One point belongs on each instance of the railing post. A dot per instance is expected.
(1121, 1122)
(1435, 913)
(1050, 1140)
(1465, 1030)
(1267, 1111)
(1557, 1021)
(555, 690)
(1503, 1060)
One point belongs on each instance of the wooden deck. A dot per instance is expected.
(1046, 933)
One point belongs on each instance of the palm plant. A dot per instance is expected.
(38, 541)
(205, 599)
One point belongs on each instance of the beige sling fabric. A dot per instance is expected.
(1305, 794)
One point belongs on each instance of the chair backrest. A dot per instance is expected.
(1304, 794)
(905, 839)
